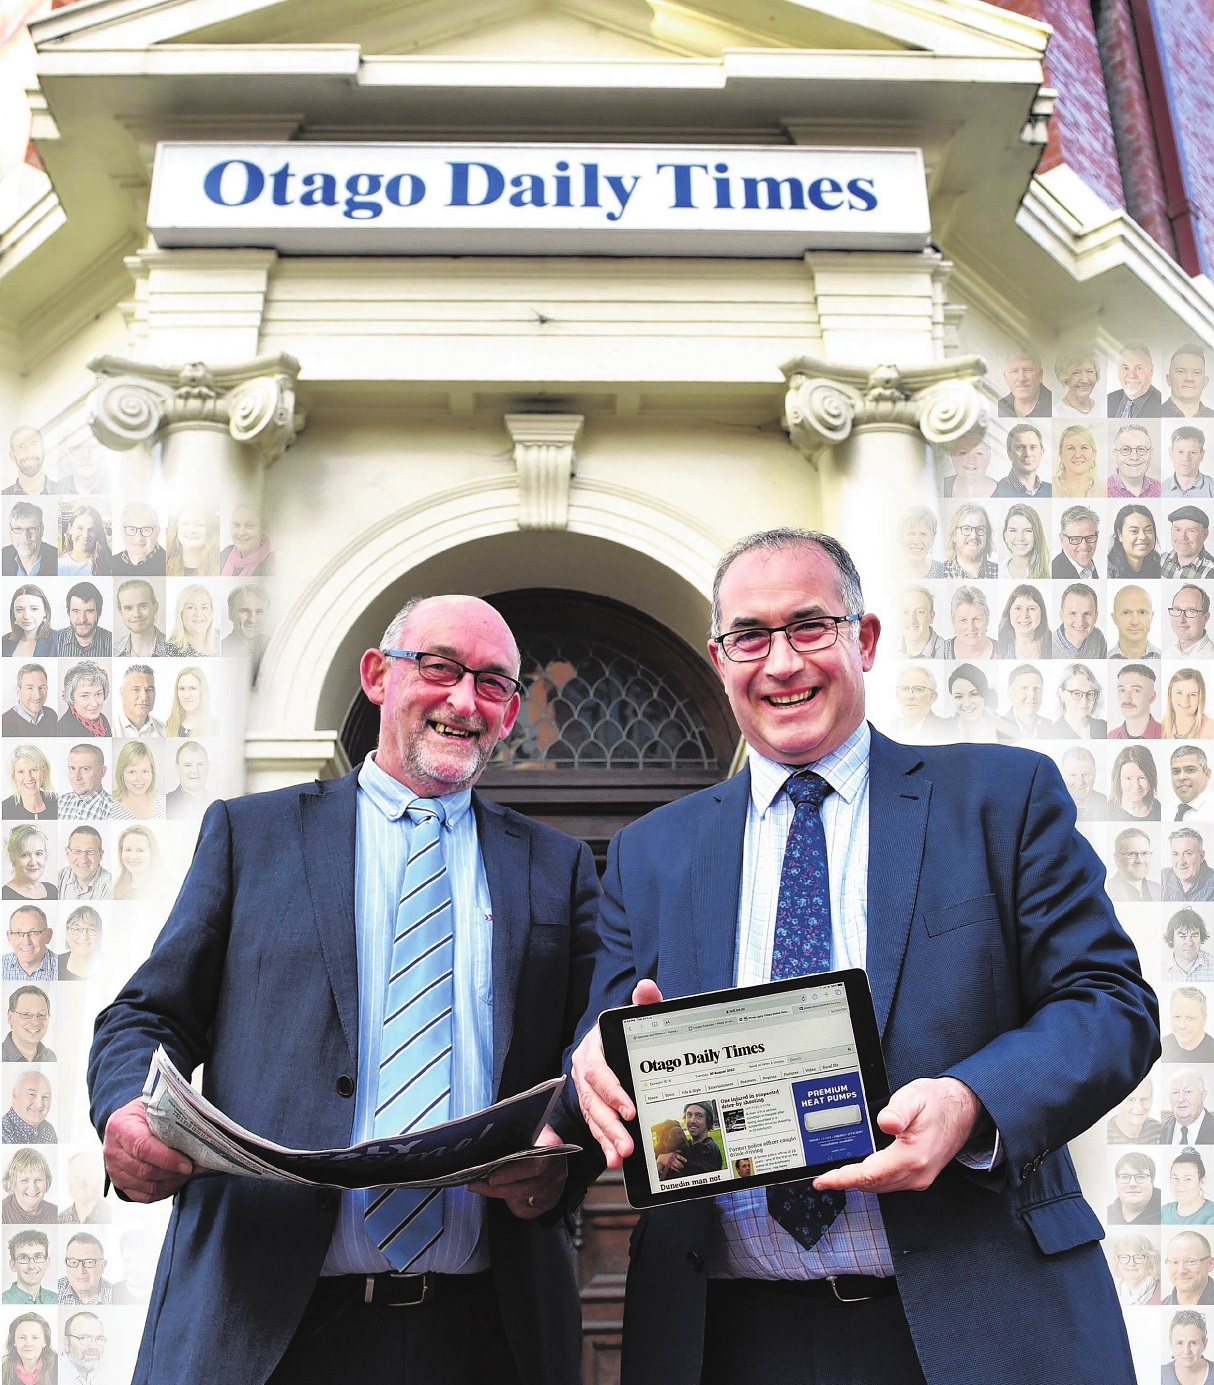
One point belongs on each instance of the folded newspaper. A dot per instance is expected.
(459, 1151)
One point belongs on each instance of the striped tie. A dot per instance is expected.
(415, 1069)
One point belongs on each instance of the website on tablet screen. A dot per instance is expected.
(748, 1087)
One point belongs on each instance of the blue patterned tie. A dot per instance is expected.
(415, 1068)
(802, 947)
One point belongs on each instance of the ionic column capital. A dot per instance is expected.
(133, 401)
(826, 402)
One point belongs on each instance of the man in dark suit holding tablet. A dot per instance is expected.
(1012, 1012)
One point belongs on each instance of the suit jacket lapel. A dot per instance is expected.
(716, 881)
(329, 827)
(506, 853)
(897, 832)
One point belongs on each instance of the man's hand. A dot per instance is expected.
(602, 1099)
(529, 1187)
(932, 1119)
(139, 1164)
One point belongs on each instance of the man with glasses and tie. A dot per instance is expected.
(432, 956)
(955, 877)
(1079, 535)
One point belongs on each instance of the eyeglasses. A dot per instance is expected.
(1133, 1178)
(74, 1262)
(1137, 856)
(139, 531)
(1139, 452)
(1133, 1260)
(446, 673)
(87, 1339)
(29, 530)
(83, 928)
(30, 1014)
(917, 691)
(22, 934)
(1189, 612)
(1080, 540)
(1081, 694)
(1190, 1264)
(38, 1259)
(804, 637)
(973, 531)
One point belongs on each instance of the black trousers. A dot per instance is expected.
(760, 1331)
(454, 1338)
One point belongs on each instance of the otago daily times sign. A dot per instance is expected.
(538, 199)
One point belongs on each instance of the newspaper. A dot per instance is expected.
(456, 1152)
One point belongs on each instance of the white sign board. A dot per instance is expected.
(538, 199)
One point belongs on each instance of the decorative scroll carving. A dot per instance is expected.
(825, 402)
(543, 454)
(134, 400)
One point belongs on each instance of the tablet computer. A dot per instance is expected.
(755, 1085)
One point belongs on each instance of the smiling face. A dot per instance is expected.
(695, 1120)
(1188, 539)
(29, 857)
(31, 693)
(27, 451)
(1078, 617)
(1189, 779)
(1136, 1107)
(1186, 700)
(970, 535)
(29, 776)
(249, 616)
(968, 699)
(793, 708)
(917, 541)
(88, 698)
(1137, 536)
(1079, 774)
(1134, 858)
(246, 529)
(29, 1258)
(192, 527)
(915, 694)
(1133, 452)
(83, 852)
(1134, 784)
(28, 936)
(192, 767)
(30, 1020)
(196, 612)
(1133, 1189)
(136, 853)
(140, 532)
(138, 776)
(1082, 381)
(1018, 536)
(138, 607)
(84, 1279)
(436, 739)
(1135, 372)
(1025, 693)
(1188, 857)
(32, 1098)
(1025, 615)
(1077, 456)
(970, 622)
(82, 537)
(29, 1188)
(971, 458)
(1188, 619)
(1188, 1019)
(1186, 1183)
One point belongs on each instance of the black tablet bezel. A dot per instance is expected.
(869, 1061)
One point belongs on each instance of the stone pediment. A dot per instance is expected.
(546, 29)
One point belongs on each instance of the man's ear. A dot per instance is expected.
(373, 673)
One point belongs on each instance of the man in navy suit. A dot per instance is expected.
(1012, 1012)
(267, 972)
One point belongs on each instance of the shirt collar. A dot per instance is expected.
(844, 769)
(392, 797)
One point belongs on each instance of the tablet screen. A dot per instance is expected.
(760, 1083)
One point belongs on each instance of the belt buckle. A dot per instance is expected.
(833, 1280)
(424, 1284)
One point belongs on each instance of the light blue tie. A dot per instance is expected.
(415, 1067)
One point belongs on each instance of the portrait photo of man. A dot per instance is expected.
(143, 555)
(1188, 1041)
(30, 715)
(84, 1282)
(1189, 613)
(697, 1152)
(1188, 1262)
(1188, 557)
(1132, 855)
(1187, 378)
(1190, 773)
(1137, 397)
(29, 1017)
(1136, 695)
(1188, 1122)
(1185, 938)
(1077, 635)
(27, 554)
(29, 937)
(1079, 535)
(1023, 720)
(1028, 396)
(27, 452)
(1187, 452)
(25, 1122)
(29, 1255)
(81, 1362)
(1188, 878)
(917, 692)
(1025, 453)
(138, 609)
(84, 637)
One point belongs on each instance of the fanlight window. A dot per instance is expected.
(590, 704)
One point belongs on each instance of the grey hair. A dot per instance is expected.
(969, 596)
(776, 540)
(1076, 514)
(85, 672)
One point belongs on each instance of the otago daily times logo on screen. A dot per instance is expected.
(537, 199)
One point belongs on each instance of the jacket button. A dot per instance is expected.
(695, 1261)
(326, 1199)
(345, 1085)
(1028, 1170)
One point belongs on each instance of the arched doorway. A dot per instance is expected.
(619, 716)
